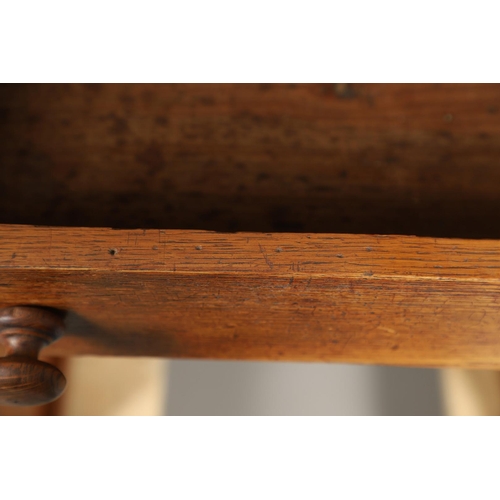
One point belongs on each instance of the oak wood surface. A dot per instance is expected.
(311, 297)
(332, 158)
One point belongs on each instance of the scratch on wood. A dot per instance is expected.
(50, 243)
(348, 340)
(266, 258)
(385, 329)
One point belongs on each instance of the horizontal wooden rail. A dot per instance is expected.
(396, 300)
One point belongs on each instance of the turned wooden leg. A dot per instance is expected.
(24, 332)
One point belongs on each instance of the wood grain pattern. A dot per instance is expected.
(391, 159)
(24, 379)
(49, 410)
(311, 297)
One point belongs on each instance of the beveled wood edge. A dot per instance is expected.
(273, 254)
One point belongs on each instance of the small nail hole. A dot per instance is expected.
(112, 251)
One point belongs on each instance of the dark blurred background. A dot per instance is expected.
(356, 158)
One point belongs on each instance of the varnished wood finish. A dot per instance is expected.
(46, 410)
(392, 159)
(25, 380)
(311, 297)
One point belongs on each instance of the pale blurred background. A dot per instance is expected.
(120, 386)
(272, 388)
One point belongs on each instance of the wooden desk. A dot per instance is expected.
(256, 222)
